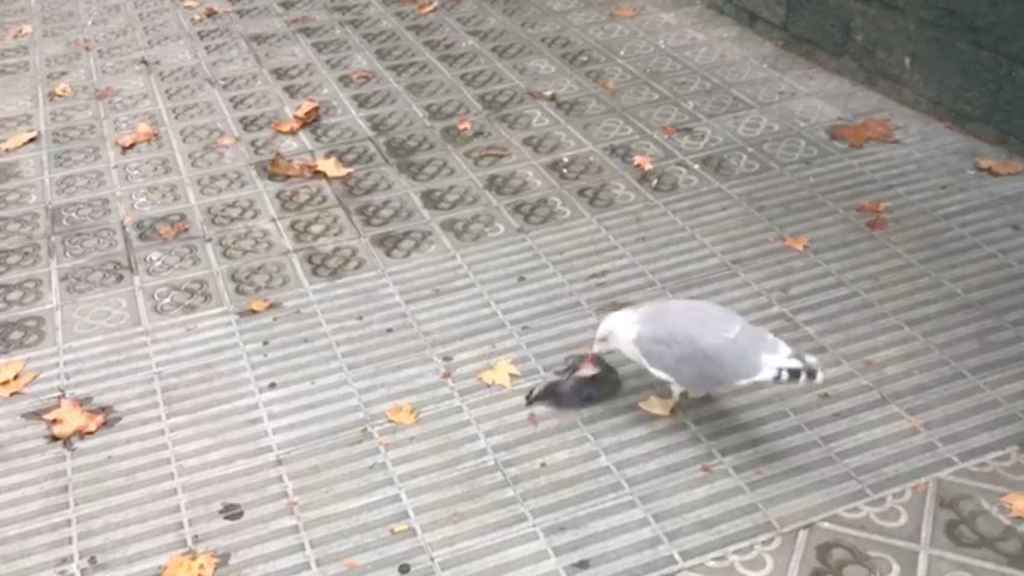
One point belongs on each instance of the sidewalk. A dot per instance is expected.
(124, 274)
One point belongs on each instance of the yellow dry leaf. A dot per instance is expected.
(289, 126)
(999, 167)
(143, 133)
(870, 130)
(70, 419)
(625, 11)
(308, 111)
(190, 4)
(62, 90)
(18, 140)
(607, 85)
(500, 373)
(191, 564)
(227, 140)
(9, 369)
(1014, 502)
(657, 405)
(259, 305)
(644, 163)
(400, 528)
(351, 564)
(331, 167)
(14, 386)
(798, 243)
(403, 414)
(171, 231)
(426, 7)
(21, 31)
(280, 166)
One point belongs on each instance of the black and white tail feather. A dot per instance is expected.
(799, 368)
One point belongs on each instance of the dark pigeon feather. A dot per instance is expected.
(571, 390)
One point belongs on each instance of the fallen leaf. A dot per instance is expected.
(1014, 502)
(171, 231)
(104, 93)
(403, 414)
(856, 135)
(20, 31)
(259, 305)
(70, 419)
(494, 152)
(300, 20)
(873, 207)
(624, 11)
(308, 111)
(915, 423)
(191, 564)
(10, 368)
(607, 85)
(331, 167)
(362, 76)
(426, 7)
(644, 163)
(798, 243)
(548, 95)
(227, 140)
(143, 133)
(206, 12)
(61, 90)
(920, 487)
(999, 167)
(464, 126)
(289, 126)
(500, 373)
(18, 140)
(15, 385)
(657, 405)
(707, 468)
(84, 44)
(878, 223)
(400, 528)
(351, 564)
(669, 131)
(280, 166)
(190, 4)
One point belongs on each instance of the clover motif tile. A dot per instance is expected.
(88, 243)
(700, 138)
(622, 153)
(601, 129)
(830, 552)
(383, 212)
(392, 121)
(27, 331)
(484, 78)
(408, 144)
(92, 277)
(24, 225)
(585, 106)
(579, 167)
(482, 129)
(261, 278)
(326, 133)
(673, 178)
(335, 262)
(248, 243)
(733, 164)
(20, 257)
(770, 556)
(303, 197)
(25, 292)
(475, 227)
(792, 148)
(752, 125)
(543, 210)
(72, 113)
(448, 109)
(150, 228)
(897, 515)
(403, 244)
(75, 134)
(264, 146)
(504, 98)
(236, 211)
(161, 261)
(354, 154)
(220, 183)
(252, 101)
(147, 169)
(971, 522)
(431, 89)
(515, 182)
(464, 59)
(99, 317)
(85, 212)
(489, 155)
(369, 181)
(430, 168)
(555, 141)
(373, 100)
(181, 297)
(22, 196)
(451, 197)
(413, 70)
(319, 227)
(598, 197)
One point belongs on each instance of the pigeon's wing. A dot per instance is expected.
(703, 346)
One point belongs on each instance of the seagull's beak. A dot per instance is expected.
(587, 368)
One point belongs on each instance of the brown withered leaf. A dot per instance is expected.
(308, 111)
(402, 414)
(259, 305)
(644, 163)
(18, 140)
(61, 90)
(1014, 503)
(464, 126)
(657, 405)
(426, 7)
(625, 11)
(607, 85)
(878, 223)
(143, 133)
(69, 419)
(870, 130)
(84, 44)
(331, 167)
(226, 140)
(281, 166)
(206, 12)
(798, 243)
(548, 95)
(999, 167)
(191, 564)
(289, 126)
(190, 4)
(169, 232)
(669, 131)
(20, 31)
(494, 152)
(873, 207)
(361, 77)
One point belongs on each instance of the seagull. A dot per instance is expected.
(699, 347)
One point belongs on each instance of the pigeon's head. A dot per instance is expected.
(616, 332)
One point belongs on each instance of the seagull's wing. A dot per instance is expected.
(703, 346)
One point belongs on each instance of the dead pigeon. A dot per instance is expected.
(700, 347)
(585, 379)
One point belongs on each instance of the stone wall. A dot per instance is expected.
(960, 59)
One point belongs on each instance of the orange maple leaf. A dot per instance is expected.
(172, 231)
(403, 414)
(143, 133)
(289, 126)
(873, 207)
(625, 11)
(1014, 503)
(280, 166)
(669, 131)
(426, 7)
(856, 135)
(464, 126)
(999, 167)
(191, 564)
(259, 305)
(69, 419)
(644, 163)
(14, 378)
(798, 243)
